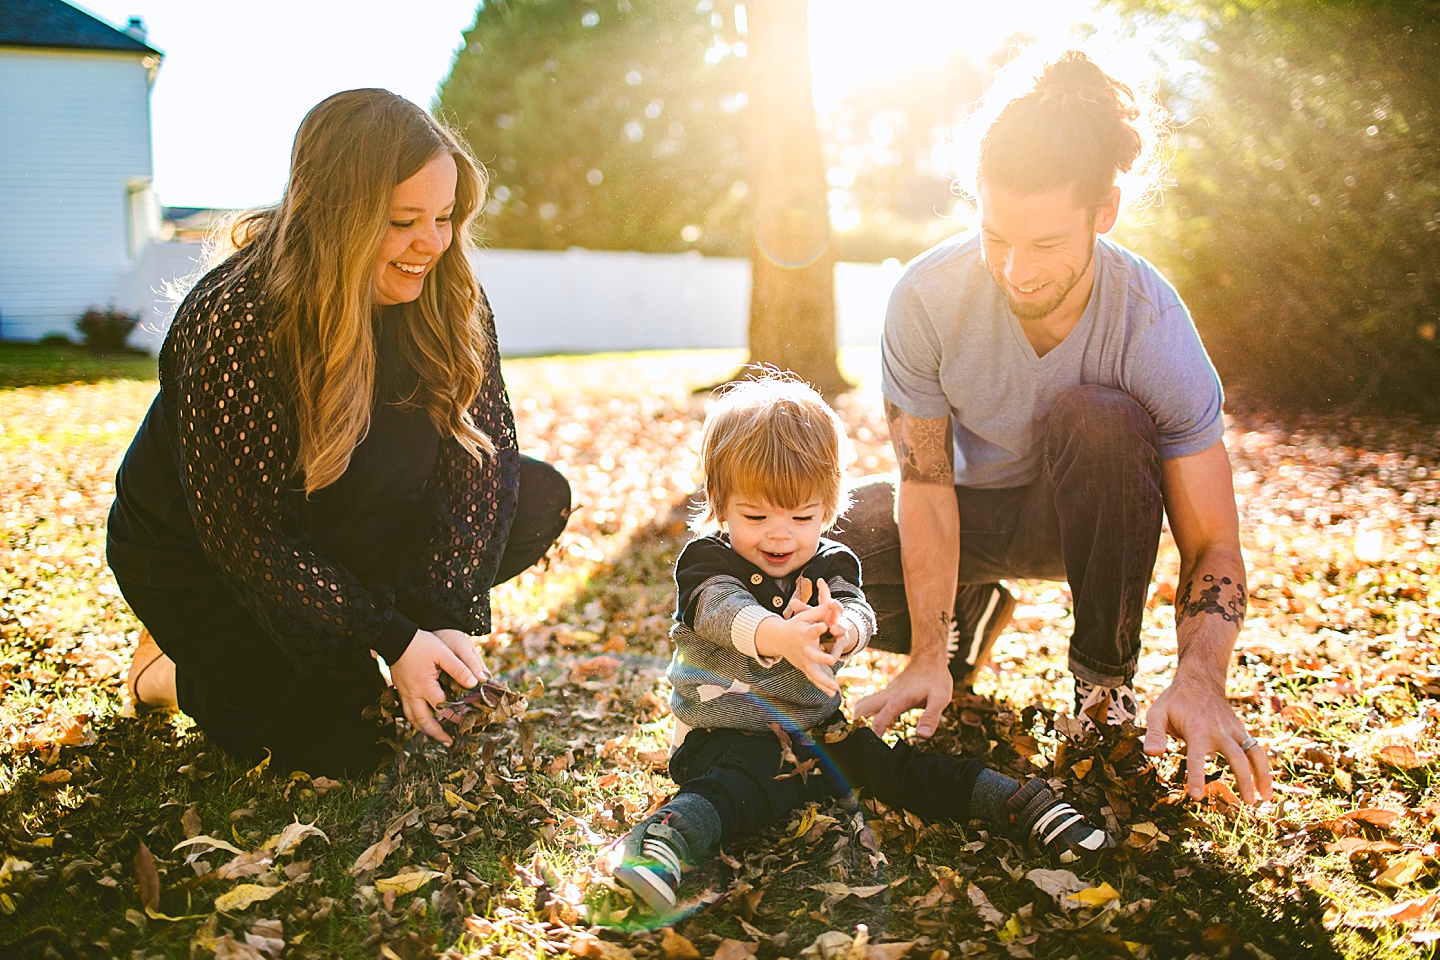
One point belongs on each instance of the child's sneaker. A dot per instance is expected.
(1052, 825)
(1112, 706)
(652, 858)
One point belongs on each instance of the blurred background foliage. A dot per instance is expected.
(1302, 227)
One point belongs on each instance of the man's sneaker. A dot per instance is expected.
(982, 611)
(1053, 826)
(652, 858)
(1097, 705)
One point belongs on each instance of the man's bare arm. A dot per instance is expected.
(1209, 611)
(929, 522)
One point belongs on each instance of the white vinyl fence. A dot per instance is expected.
(584, 301)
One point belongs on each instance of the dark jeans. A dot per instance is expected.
(736, 770)
(1092, 518)
(242, 691)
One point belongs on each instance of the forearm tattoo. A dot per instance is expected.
(1223, 596)
(922, 447)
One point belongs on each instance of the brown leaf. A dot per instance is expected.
(147, 877)
(988, 911)
(1407, 910)
(889, 951)
(735, 950)
(676, 947)
(190, 822)
(1400, 757)
(374, 855)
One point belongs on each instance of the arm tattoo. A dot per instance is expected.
(1225, 597)
(922, 447)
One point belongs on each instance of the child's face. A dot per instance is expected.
(776, 540)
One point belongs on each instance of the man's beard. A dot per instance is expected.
(1039, 311)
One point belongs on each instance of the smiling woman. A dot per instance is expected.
(330, 472)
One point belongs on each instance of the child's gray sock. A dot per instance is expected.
(988, 801)
(699, 822)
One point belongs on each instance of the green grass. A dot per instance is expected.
(46, 364)
(513, 818)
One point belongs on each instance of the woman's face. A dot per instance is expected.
(418, 233)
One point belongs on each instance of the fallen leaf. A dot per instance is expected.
(988, 911)
(289, 838)
(243, 896)
(190, 822)
(1400, 757)
(735, 950)
(676, 947)
(1057, 883)
(1402, 871)
(374, 855)
(1095, 896)
(407, 881)
(147, 877)
(208, 841)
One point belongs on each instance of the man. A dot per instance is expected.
(1048, 397)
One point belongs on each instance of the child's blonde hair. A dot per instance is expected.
(773, 437)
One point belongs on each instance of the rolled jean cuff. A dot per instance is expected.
(1100, 674)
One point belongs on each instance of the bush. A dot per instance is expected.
(1304, 226)
(106, 331)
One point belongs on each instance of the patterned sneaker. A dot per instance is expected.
(982, 611)
(1111, 706)
(652, 858)
(1053, 826)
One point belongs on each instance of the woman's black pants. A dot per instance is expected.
(240, 689)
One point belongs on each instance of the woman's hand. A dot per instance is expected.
(416, 675)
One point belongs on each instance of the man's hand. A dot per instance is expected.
(1199, 714)
(920, 684)
(797, 640)
(416, 675)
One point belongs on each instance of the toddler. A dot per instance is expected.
(766, 608)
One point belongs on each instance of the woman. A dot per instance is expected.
(330, 471)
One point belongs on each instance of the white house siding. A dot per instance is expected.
(74, 140)
(582, 301)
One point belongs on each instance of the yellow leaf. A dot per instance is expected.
(406, 882)
(1011, 930)
(1095, 896)
(289, 838)
(244, 895)
(154, 914)
(207, 841)
(1082, 767)
(1402, 872)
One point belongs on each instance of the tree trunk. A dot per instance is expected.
(792, 298)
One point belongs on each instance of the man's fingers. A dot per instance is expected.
(1260, 764)
(1156, 733)
(1195, 771)
(1240, 766)
(929, 720)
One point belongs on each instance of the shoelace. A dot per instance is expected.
(1116, 700)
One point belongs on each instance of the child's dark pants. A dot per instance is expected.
(742, 775)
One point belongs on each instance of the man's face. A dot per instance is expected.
(1040, 247)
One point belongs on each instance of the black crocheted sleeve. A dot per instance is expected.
(473, 505)
(235, 445)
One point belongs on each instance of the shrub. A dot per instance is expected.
(1304, 226)
(106, 331)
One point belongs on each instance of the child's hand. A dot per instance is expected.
(798, 641)
(800, 599)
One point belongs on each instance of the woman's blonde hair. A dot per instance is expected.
(315, 252)
(773, 437)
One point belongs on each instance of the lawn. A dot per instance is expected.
(126, 836)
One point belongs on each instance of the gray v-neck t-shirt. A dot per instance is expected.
(952, 346)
